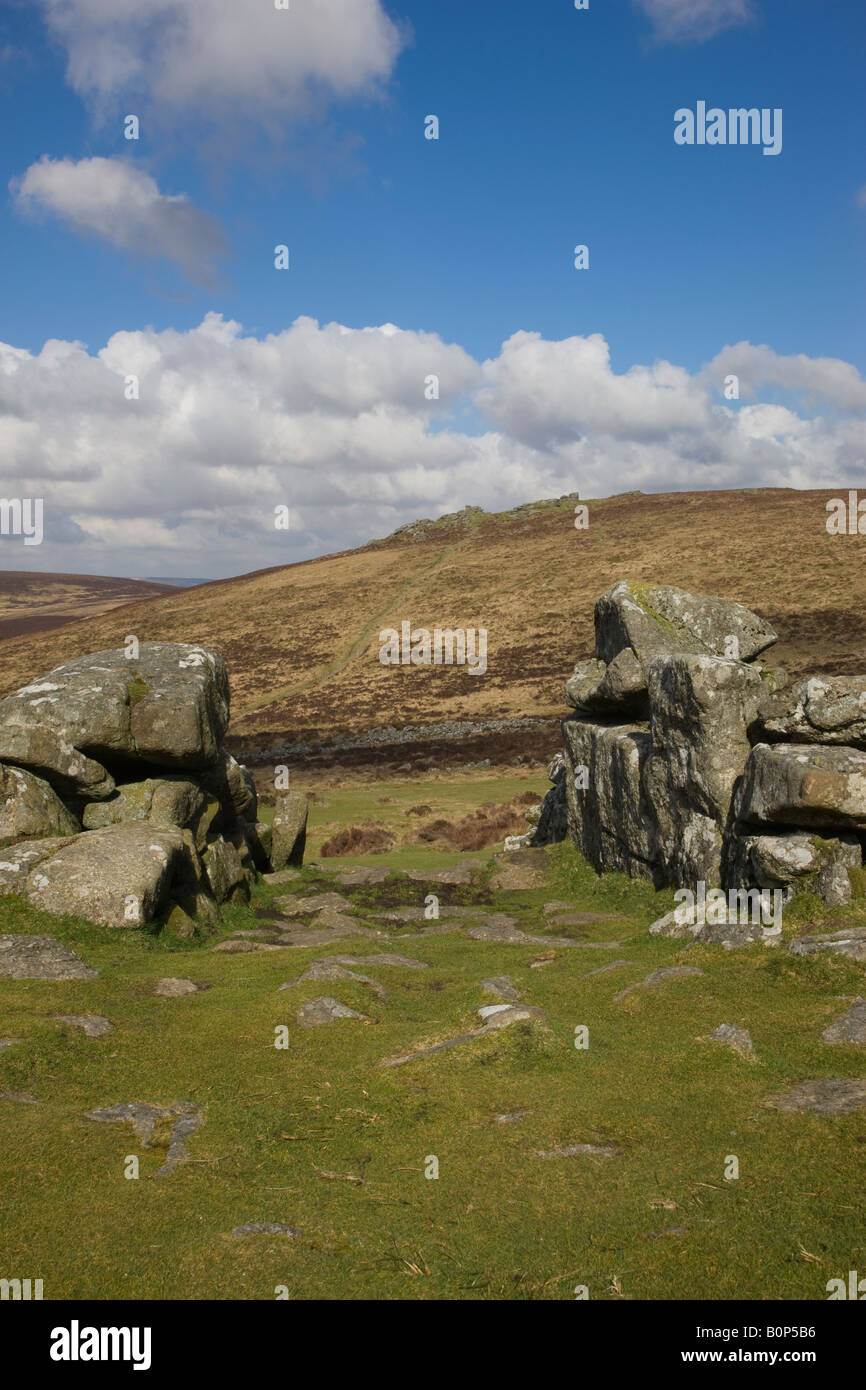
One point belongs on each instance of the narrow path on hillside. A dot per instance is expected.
(358, 645)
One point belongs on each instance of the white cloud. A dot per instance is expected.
(232, 58)
(685, 21)
(816, 378)
(334, 423)
(545, 393)
(861, 197)
(122, 205)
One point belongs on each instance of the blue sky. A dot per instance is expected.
(556, 128)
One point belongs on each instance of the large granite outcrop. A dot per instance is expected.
(119, 802)
(686, 761)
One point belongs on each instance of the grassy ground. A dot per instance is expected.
(658, 1221)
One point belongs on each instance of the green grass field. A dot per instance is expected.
(286, 1131)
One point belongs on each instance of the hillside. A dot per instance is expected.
(31, 603)
(301, 641)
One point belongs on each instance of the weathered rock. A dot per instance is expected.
(93, 1025)
(181, 1119)
(292, 906)
(504, 1015)
(552, 824)
(119, 876)
(850, 941)
(850, 1028)
(502, 987)
(827, 1096)
(169, 706)
(819, 709)
(701, 707)
(793, 860)
(289, 832)
(161, 800)
(52, 757)
(17, 861)
(324, 1010)
(330, 969)
(603, 969)
(734, 1037)
(609, 817)
(670, 972)
(174, 988)
(260, 839)
(794, 784)
(384, 958)
(453, 875)
(41, 958)
(735, 918)
(226, 876)
(179, 923)
(233, 787)
(659, 620)
(358, 878)
(619, 688)
(29, 809)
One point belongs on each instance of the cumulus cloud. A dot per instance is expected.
(122, 205)
(816, 378)
(336, 424)
(216, 57)
(695, 21)
(546, 393)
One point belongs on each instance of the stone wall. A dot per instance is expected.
(686, 759)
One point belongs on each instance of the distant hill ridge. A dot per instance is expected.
(302, 640)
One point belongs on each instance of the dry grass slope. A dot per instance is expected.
(301, 641)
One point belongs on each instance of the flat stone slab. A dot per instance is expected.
(577, 1150)
(850, 1028)
(504, 1015)
(173, 987)
(429, 1051)
(730, 1035)
(603, 969)
(455, 874)
(849, 942)
(325, 1010)
(670, 972)
(293, 906)
(823, 1097)
(384, 958)
(511, 1117)
(94, 1025)
(41, 958)
(359, 878)
(502, 987)
(266, 1228)
(330, 969)
(20, 1098)
(241, 947)
(418, 914)
(8, 1042)
(184, 1117)
(281, 876)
